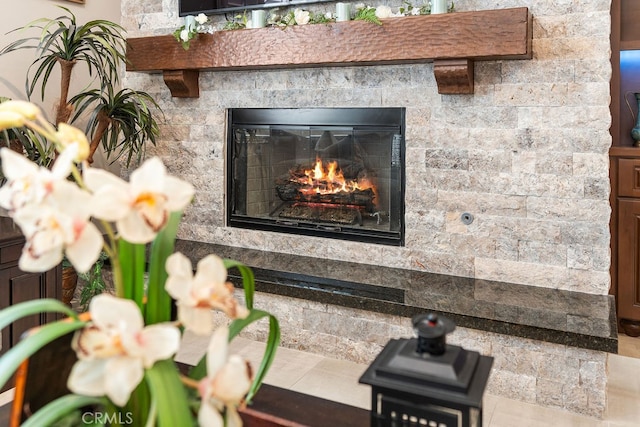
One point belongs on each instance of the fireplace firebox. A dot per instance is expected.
(328, 172)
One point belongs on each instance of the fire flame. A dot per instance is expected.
(330, 180)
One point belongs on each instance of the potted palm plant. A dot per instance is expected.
(122, 121)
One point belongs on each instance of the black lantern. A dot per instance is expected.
(425, 382)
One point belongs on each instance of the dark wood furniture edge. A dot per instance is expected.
(461, 37)
(278, 407)
(275, 406)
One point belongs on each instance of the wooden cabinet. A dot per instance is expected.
(17, 286)
(628, 272)
(625, 164)
(629, 256)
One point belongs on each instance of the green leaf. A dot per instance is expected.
(41, 336)
(248, 280)
(168, 395)
(159, 302)
(273, 340)
(133, 265)
(53, 411)
(139, 404)
(27, 308)
(367, 14)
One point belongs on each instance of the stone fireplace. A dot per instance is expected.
(326, 172)
(525, 155)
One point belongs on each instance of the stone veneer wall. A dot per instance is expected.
(527, 155)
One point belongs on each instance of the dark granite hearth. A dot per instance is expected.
(562, 317)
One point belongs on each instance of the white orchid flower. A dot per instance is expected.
(141, 207)
(62, 226)
(28, 183)
(383, 12)
(70, 136)
(115, 348)
(302, 17)
(227, 382)
(11, 119)
(14, 113)
(197, 295)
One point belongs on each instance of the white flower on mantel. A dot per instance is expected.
(184, 35)
(202, 19)
(302, 17)
(383, 12)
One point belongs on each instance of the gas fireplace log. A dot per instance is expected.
(290, 192)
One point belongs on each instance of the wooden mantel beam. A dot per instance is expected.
(452, 40)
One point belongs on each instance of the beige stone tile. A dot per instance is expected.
(192, 348)
(511, 413)
(489, 403)
(628, 346)
(336, 380)
(6, 397)
(623, 406)
(288, 366)
(623, 373)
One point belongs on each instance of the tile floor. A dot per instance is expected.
(338, 380)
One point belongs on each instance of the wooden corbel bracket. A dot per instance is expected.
(453, 41)
(454, 76)
(182, 83)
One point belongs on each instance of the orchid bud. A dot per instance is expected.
(26, 109)
(68, 135)
(10, 119)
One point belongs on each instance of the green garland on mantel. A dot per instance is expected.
(302, 17)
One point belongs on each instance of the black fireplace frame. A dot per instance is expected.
(367, 118)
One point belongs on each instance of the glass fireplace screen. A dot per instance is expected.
(336, 173)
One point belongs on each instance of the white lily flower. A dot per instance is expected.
(28, 183)
(116, 348)
(141, 207)
(227, 382)
(197, 295)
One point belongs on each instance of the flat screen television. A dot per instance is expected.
(212, 7)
